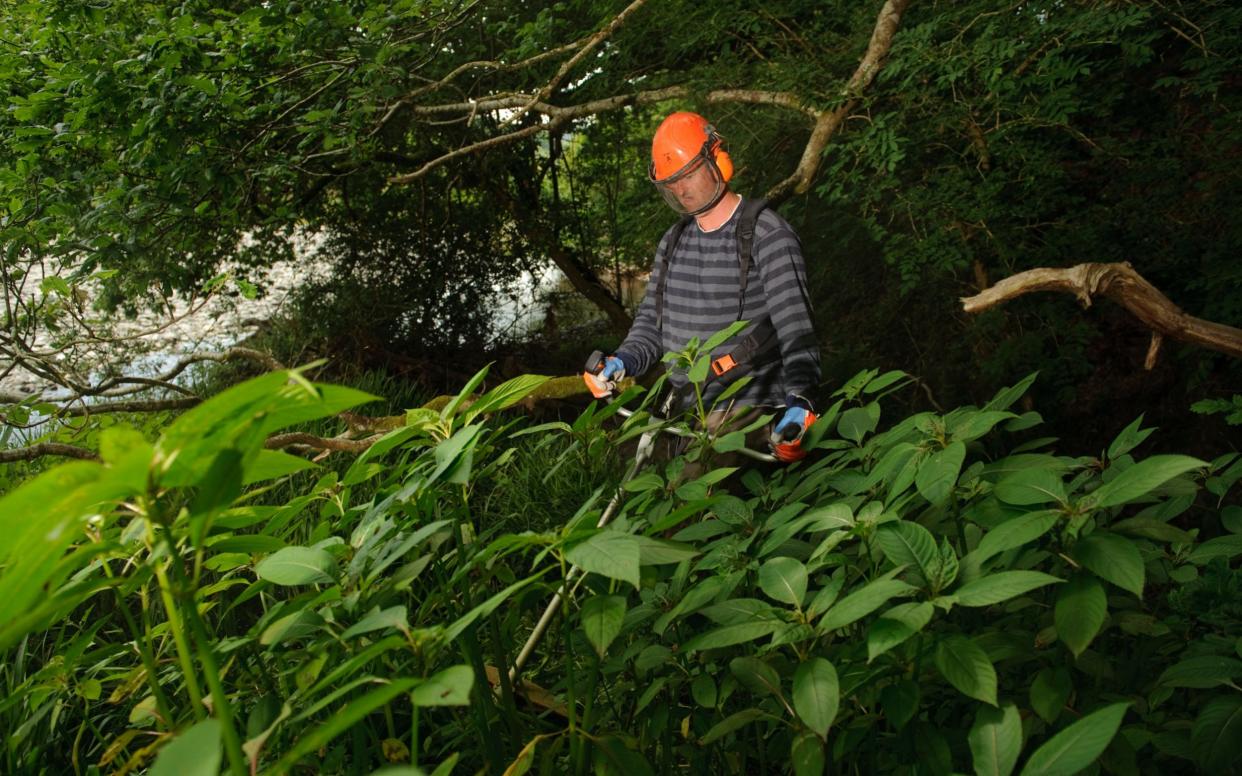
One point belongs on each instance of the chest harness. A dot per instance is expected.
(762, 344)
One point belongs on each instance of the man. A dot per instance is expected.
(703, 281)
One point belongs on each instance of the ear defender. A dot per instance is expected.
(724, 163)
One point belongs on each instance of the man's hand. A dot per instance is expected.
(602, 377)
(786, 439)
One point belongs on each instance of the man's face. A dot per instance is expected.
(695, 189)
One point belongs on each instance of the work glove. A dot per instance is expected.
(786, 438)
(602, 379)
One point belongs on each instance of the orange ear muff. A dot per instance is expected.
(724, 163)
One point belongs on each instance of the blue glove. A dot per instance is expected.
(602, 384)
(614, 369)
(794, 416)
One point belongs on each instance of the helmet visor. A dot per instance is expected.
(693, 189)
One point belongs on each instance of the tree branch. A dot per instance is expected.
(46, 448)
(1123, 285)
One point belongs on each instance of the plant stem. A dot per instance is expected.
(183, 646)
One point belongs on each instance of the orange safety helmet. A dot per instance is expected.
(682, 145)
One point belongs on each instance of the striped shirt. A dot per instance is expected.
(701, 298)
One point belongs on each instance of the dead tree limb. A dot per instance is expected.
(46, 448)
(1124, 286)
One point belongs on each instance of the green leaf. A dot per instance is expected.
(728, 635)
(270, 464)
(1221, 547)
(900, 701)
(602, 617)
(938, 473)
(487, 607)
(816, 694)
(996, 740)
(1050, 691)
(1080, 611)
(1201, 672)
(732, 723)
(1031, 486)
(966, 666)
(756, 675)
(703, 690)
(195, 752)
(656, 552)
(909, 544)
(862, 602)
(377, 619)
(1001, 586)
(807, 755)
(784, 580)
(1141, 479)
(1149, 528)
(856, 423)
(722, 336)
(1216, 738)
(297, 566)
(450, 687)
(610, 554)
(975, 424)
(504, 395)
(342, 720)
(896, 625)
(1131, 437)
(1015, 532)
(1113, 558)
(1078, 745)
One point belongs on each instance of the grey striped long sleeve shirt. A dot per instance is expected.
(701, 298)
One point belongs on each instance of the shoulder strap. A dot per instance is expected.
(751, 208)
(674, 236)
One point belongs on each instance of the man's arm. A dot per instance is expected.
(783, 272)
(643, 346)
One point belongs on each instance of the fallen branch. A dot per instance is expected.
(46, 448)
(1123, 285)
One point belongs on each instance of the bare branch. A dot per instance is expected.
(336, 444)
(46, 448)
(1123, 285)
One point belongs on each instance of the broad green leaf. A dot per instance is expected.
(900, 702)
(656, 552)
(938, 473)
(1050, 691)
(297, 566)
(1001, 586)
(703, 690)
(1005, 397)
(1216, 738)
(194, 752)
(732, 723)
(967, 668)
(757, 675)
(270, 464)
(816, 694)
(909, 544)
(377, 619)
(728, 635)
(975, 424)
(857, 422)
(1078, 745)
(862, 602)
(602, 616)
(450, 687)
(807, 755)
(896, 625)
(1080, 611)
(1142, 478)
(1113, 558)
(1149, 528)
(1031, 486)
(342, 720)
(996, 740)
(1221, 547)
(1015, 532)
(504, 395)
(783, 579)
(610, 554)
(1201, 672)
(722, 336)
(1130, 437)
(884, 381)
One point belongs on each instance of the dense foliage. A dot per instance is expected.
(929, 595)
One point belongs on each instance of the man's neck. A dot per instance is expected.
(720, 213)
